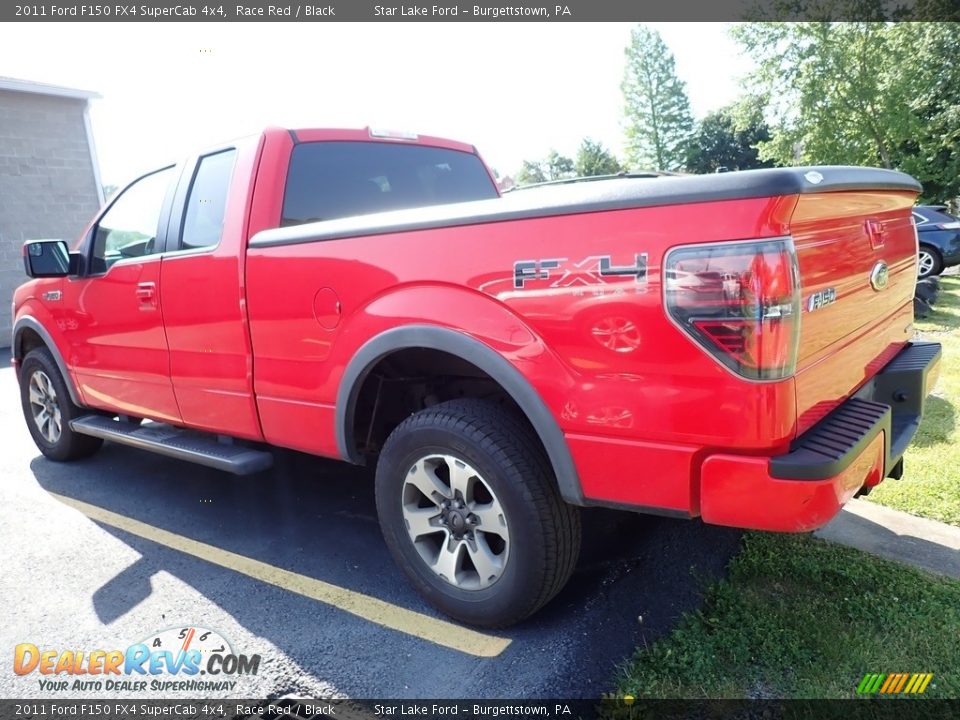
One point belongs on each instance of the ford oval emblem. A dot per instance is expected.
(879, 276)
(813, 177)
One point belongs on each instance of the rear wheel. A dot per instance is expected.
(48, 409)
(929, 262)
(470, 512)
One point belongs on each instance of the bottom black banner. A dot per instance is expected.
(547, 709)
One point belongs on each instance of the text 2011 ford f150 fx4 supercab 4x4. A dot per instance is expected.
(732, 347)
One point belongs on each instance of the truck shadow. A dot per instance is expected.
(946, 310)
(939, 419)
(938, 423)
(318, 518)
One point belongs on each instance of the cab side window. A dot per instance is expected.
(129, 228)
(333, 179)
(207, 201)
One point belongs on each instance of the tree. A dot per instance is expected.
(559, 166)
(729, 138)
(594, 159)
(531, 172)
(657, 108)
(554, 167)
(863, 93)
(932, 152)
(827, 79)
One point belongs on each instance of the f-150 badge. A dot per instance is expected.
(591, 271)
(821, 299)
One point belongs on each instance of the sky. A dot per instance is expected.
(515, 90)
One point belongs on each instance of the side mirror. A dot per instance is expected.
(49, 258)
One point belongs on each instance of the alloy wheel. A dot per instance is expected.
(45, 407)
(455, 521)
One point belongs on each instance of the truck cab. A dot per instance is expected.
(154, 322)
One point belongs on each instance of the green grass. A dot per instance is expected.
(931, 483)
(799, 618)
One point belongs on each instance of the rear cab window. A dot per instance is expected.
(207, 201)
(332, 179)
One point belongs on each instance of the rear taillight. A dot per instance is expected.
(740, 301)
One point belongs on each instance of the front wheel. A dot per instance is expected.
(470, 511)
(48, 409)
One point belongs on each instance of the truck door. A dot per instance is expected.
(112, 315)
(201, 278)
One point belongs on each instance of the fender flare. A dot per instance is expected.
(476, 353)
(28, 321)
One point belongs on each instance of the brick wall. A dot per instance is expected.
(47, 185)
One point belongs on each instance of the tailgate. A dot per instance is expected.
(857, 254)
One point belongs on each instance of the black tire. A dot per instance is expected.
(67, 445)
(544, 531)
(937, 259)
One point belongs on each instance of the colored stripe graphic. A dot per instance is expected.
(870, 683)
(894, 683)
(903, 681)
(891, 680)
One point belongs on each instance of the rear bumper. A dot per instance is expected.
(857, 445)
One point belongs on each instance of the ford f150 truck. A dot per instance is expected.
(732, 347)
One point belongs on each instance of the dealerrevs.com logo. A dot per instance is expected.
(170, 660)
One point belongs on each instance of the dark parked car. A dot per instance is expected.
(939, 235)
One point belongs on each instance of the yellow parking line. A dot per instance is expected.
(439, 632)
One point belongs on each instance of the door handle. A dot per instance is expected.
(147, 295)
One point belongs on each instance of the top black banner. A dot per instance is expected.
(504, 11)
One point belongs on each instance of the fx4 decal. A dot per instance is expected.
(591, 271)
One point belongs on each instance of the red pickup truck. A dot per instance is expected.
(732, 347)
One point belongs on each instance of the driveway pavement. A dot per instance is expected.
(897, 535)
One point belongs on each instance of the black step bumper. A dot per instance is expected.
(891, 403)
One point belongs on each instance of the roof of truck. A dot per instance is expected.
(368, 134)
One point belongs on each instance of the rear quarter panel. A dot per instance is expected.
(654, 400)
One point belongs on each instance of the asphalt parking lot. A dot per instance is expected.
(290, 564)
